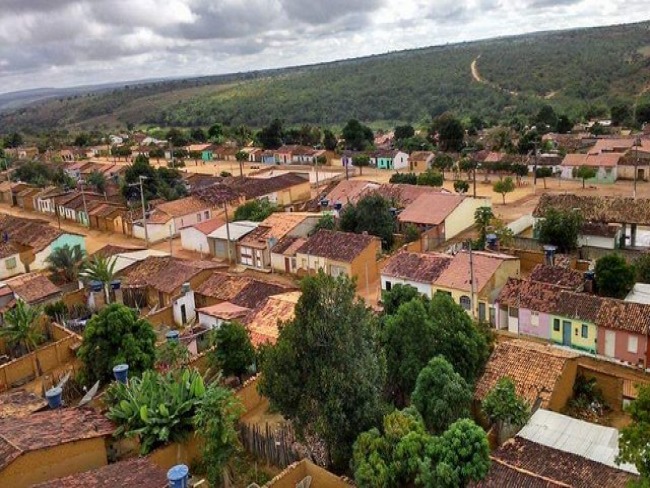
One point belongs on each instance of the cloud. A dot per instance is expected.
(70, 42)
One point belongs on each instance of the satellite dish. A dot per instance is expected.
(64, 380)
(90, 395)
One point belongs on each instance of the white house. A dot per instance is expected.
(227, 236)
(195, 237)
(214, 316)
(10, 263)
(415, 269)
(168, 218)
(605, 165)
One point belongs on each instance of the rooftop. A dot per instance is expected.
(598, 209)
(258, 187)
(225, 311)
(533, 295)
(534, 368)
(623, 315)
(608, 160)
(19, 403)
(37, 234)
(32, 287)
(237, 230)
(578, 306)
(208, 226)
(402, 194)
(216, 194)
(639, 294)
(420, 267)
(337, 246)
(133, 473)
(262, 322)
(430, 208)
(276, 226)
(112, 249)
(179, 208)
(48, 429)
(350, 191)
(165, 274)
(558, 275)
(7, 249)
(457, 275)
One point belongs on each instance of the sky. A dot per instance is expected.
(59, 43)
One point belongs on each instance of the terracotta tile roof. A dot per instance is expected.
(286, 245)
(578, 306)
(430, 208)
(112, 249)
(276, 226)
(164, 274)
(558, 275)
(421, 267)
(133, 473)
(599, 209)
(533, 295)
(596, 160)
(538, 463)
(402, 195)
(350, 191)
(37, 234)
(19, 403)
(613, 144)
(177, 208)
(258, 187)
(33, 288)
(599, 229)
(216, 194)
(49, 429)
(337, 246)
(223, 286)
(457, 275)
(254, 292)
(225, 311)
(7, 249)
(210, 225)
(418, 156)
(534, 368)
(627, 316)
(262, 322)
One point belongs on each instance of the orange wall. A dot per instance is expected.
(295, 473)
(188, 453)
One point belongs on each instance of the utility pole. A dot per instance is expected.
(83, 198)
(144, 213)
(171, 153)
(225, 210)
(637, 143)
(535, 168)
(171, 240)
(471, 281)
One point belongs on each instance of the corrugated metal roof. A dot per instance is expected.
(567, 434)
(639, 294)
(237, 230)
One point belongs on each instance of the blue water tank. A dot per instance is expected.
(172, 336)
(121, 372)
(115, 284)
(96, 286)
(54, 397)
(178, 476)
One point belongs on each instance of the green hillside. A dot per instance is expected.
(578, 72)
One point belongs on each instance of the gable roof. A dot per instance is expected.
(215, 194)
(132, 473)
(457, 275)
(350, 191)
(164, 274)
(413, 266)
(259, 187)
(335, 245)
(403, 194)
(255, 291)
(598, 209)
(608, 160)
(622, 315)
(222, 286)
(37, 234)
(533, 295)
(578, 306)
(275, 226)
(208, 226)
(32, 287)
(557, 275)
(234, 230)
(19, 403)
(8, 249)
(430, 208)
(49, 429)
(225, 311)
(262, 323)
(534, 368)
(177, 208)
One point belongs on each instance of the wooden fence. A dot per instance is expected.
(271, 446)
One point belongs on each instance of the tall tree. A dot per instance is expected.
(271, 136)
(560, 228)
(198, 135)
(441, 395)
(398, 295)
(482, 218)
(621, 114)
(504, 407)
(329, 140)
(102, 269)
(98, 180)
(443, 162)
(371, 214)
(404, 132)
(614, 277)
(543, 173)
(21, 327)
(357, 136)
(325, 373)
(361, 162)
(448, 132)
(66, 262)
(234, 353)
(241, 158)
(527, 141)
(117, 335)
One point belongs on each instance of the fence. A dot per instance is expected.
(527, 243)
(273, 447)
(593, 253)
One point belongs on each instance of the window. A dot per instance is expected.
(534, 319)
(206, 214)
(481, 311)
(585, 331)
(10, 263)
(513, 312)
(556, 325)
(389, 286)
(198, 217)
(465, 302)
(632, 344)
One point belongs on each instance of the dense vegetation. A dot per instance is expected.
(580, 72)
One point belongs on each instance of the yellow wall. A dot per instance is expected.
(463, 216)
(365, 268)
(294, 194)
(295, 473)
(62, 460)
(577, 341)
(188, 453)
(563, 389)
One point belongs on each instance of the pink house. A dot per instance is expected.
(623, 331)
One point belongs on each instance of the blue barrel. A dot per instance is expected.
(121, 372)
(53, 396)
(178, 476)
(115, 284)
(172, 336)
(96, 286)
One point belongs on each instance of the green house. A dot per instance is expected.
(574, 322)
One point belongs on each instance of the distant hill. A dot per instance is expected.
(576, 71)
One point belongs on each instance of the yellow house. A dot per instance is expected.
(573, 323)
(52, 444)
(337, 253)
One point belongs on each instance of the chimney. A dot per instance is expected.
(121, 373)
(53, 396)
(590, 278)
(172, 336)
(178, 476)
(549, 253)
(186, 288)
(492, 242)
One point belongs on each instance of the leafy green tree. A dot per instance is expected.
(101, 268)
(326, 222)
(504, 187)
(34, 173)
(614, 277)
(546, 118)
(398, 295)
(543, 173)
(371, 214)
(406, 178)
(66, 262)
(15, 139)
(633, 439)
(448, 132)
(482, 218)
(242, 134)
(584, 173)
(443, 162)
(560, 228)
(361, 162)
(177, 137)
(329, 140)
(411, 233)
(325, 373)
(441, 395)
(234, 352)
(358, 137)
(643, 113)
(140, 167)
(241, 158)
(461, 186)
(430, 178)
(216, 418)
(255, 210)
(564, 125)
(172, 355)
(157, 153)
(98, 180)
(156, 408)
(21, 328)
(621, 114)
(642, 267)
(404, 132)
(504, 407)
(528, 140)
(117, 335)
(215, 133)
(198, 135)
(271, 137)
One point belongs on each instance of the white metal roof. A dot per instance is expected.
(125, 259)
(591, 441)
(639, 294)
(237, 230)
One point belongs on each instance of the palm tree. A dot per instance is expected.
(241, 156)
(482, 218)
(102, 269)
(66, 262)
(21, 327)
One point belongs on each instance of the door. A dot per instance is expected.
(183, 314)
(610, 343)
(513, 320)
(287, 265)
(566, 333)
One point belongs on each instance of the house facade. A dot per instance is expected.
(605, 164)
(574, 321)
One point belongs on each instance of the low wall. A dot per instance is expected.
(164, 316)
(43, 361)
(249, 396)
(75, 298)
(294, 474)
(188, 453)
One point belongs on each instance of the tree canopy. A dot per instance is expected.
(502, 405)
(633, 439)
(358, 137)
(371, 214)
(234, 353)
(614, 276)
(255, 210)
(560, 228)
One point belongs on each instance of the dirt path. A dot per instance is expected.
(475, 74)
(477, 77)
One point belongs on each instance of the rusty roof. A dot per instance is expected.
(430, 208)
(421, 267)
(558, 275)
(8, 249)
(520, 462)
(181, 207)
(262, 322)
(132, 473)
(255, 291)
(225, 311)
(49, 429)
(533, 295)
(598, 209)
(337, 246)
(534, 368)
(216, 194)
(19, 403)
(164, 273)
(32, 288)
(223, 286)
(287, 244)
(456, 276)
(579, 306)
(37, 234)
(628, 316)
